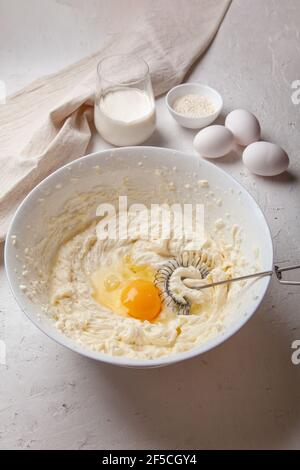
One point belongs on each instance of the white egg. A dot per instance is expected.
(265, 159)
(244, 126)
(213, 141)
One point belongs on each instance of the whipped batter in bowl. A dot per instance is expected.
(71, 283)
(88, 278)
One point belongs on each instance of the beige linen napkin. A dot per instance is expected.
(47, 124)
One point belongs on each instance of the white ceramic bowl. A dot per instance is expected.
(31, 222)
(199, 89)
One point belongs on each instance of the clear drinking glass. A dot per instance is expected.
(124, 110)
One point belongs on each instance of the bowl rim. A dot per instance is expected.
(188, 85)
(63, 340)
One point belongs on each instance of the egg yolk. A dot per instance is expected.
(141, 299)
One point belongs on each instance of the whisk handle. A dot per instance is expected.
(196, 284)
(201, 286)
(279, 271)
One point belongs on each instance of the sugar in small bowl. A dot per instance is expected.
(194, 105)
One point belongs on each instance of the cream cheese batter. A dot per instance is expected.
(84, 264)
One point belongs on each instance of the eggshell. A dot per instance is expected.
(265, 159)
(244, 126)
(213, 141)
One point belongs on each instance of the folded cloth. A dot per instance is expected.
(47, 124)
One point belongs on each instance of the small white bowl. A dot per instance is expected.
(194, 88)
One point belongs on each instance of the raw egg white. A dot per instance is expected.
(265, 159)
(127, 290)
(214, 141)
(244, 126)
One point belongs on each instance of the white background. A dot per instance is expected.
(245, 393)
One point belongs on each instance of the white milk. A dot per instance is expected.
(125, 116)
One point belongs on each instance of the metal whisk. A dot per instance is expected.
(164, 274)
(203, 265)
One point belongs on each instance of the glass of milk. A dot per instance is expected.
(124, 110)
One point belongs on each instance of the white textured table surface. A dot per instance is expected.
(245, 393)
